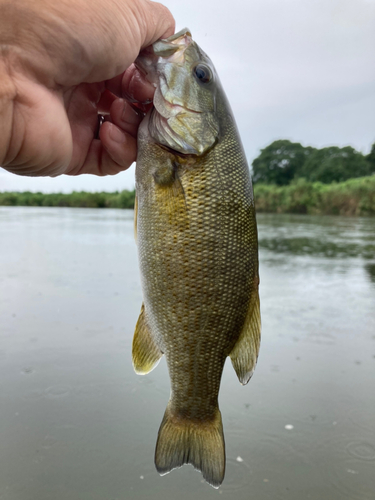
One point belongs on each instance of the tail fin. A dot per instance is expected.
(182, 441)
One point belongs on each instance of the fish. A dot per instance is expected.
(196, 234)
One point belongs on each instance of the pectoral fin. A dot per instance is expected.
(145, 353)
(245, 352)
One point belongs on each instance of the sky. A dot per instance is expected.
(302, 70)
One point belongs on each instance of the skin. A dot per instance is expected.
(62, 63)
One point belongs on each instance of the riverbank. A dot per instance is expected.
(355, 197)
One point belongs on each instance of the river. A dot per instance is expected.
(76, 423)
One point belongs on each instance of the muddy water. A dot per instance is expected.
(77, 424)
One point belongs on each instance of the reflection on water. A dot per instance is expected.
(317, 248)
(76, 423)
(370, 268)
(331, 237)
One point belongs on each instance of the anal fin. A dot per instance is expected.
(244, 354)
(145, 353)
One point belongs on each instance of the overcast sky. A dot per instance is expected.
(303, 70)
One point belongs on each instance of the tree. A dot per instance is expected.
(280, 162)
(334, 164)
(370, 158)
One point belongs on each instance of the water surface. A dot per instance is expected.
(76, 423)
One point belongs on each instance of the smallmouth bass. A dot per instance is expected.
(198, 251)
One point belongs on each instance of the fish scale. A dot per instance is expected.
(198, 256)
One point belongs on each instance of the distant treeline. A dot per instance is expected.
(123, 199)
(283, 162)
(352, 197)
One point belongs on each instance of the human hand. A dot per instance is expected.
(62, 63)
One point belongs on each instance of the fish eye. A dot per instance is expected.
(202, 73)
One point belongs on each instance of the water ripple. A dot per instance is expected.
(361, 450)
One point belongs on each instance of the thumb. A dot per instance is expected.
(158, 22)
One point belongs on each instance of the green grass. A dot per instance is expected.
(352, 197)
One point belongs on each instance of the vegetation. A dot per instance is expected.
(334, 164)
(370, 158)
(352, 197)
(288, 178)
(283, 162)
(280, 162)
(123, 199)
(291, 178)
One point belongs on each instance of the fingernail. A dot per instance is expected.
(116, 134)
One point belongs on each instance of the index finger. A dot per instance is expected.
(131, 85)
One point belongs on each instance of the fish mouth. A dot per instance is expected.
(145, 62)
(150, 63)
(179, 34)
(168, 49)
(168, 46)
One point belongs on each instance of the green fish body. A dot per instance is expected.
(198, 252)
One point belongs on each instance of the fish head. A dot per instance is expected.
(184, 116)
